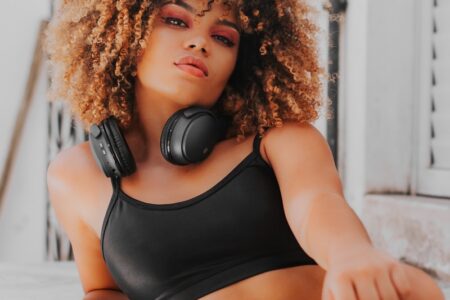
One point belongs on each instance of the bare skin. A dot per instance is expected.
(80, 192)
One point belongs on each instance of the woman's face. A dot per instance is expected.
(212, 40)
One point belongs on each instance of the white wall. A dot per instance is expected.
(322, 22)
(352, 101)
(22, 216)
(19, 24)
(378, 71)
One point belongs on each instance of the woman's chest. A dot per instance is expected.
(239, 222)
(240, 213)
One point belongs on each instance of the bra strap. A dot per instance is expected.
(256, 143)
(116, 185)
(257, 150)
(115, 181)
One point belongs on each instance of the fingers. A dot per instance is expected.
(379, 288)
(420, 285)
(341, 289)
(365, 289)
(385, 288)
(395, 281)
(400, 279)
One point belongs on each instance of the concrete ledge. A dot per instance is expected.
(58, 280)
(412, 229)
(445, 287)
(50, 281)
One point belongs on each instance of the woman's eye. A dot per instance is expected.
(174, 21)
(180, 23)
(224, 40)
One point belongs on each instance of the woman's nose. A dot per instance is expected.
(197, 43)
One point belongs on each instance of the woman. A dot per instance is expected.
(265, 216)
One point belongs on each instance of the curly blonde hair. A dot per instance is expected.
(93, 46)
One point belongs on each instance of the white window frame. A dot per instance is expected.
(429, 181)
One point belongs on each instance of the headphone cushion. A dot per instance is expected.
(120, 147)
(166, 134)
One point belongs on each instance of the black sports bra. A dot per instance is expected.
(188, 249)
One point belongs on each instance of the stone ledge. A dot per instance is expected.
(445, 287)
(48, 280)
(412, 229)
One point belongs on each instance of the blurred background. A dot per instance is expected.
(390, 136)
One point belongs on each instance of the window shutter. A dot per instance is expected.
(434, 108)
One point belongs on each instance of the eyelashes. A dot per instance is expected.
(174, 21)
(180, 23)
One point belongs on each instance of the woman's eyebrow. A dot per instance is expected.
(193, 11)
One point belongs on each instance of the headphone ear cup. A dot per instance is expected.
(166, 136)
(120, 149)
(98, 142)
(189, 135)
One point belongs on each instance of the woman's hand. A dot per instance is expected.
(366, 273)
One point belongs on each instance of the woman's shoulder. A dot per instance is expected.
(290, 129)
(74, 178)
(74, 166)
(276, 139)
(291, 136)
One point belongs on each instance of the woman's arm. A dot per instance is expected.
(325, 225)
(331, 229)
(72, 189)
(312, 193)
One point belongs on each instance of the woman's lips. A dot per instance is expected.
(191, 70)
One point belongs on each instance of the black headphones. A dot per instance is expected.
(188, 136)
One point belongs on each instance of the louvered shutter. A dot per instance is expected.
(434, 108)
